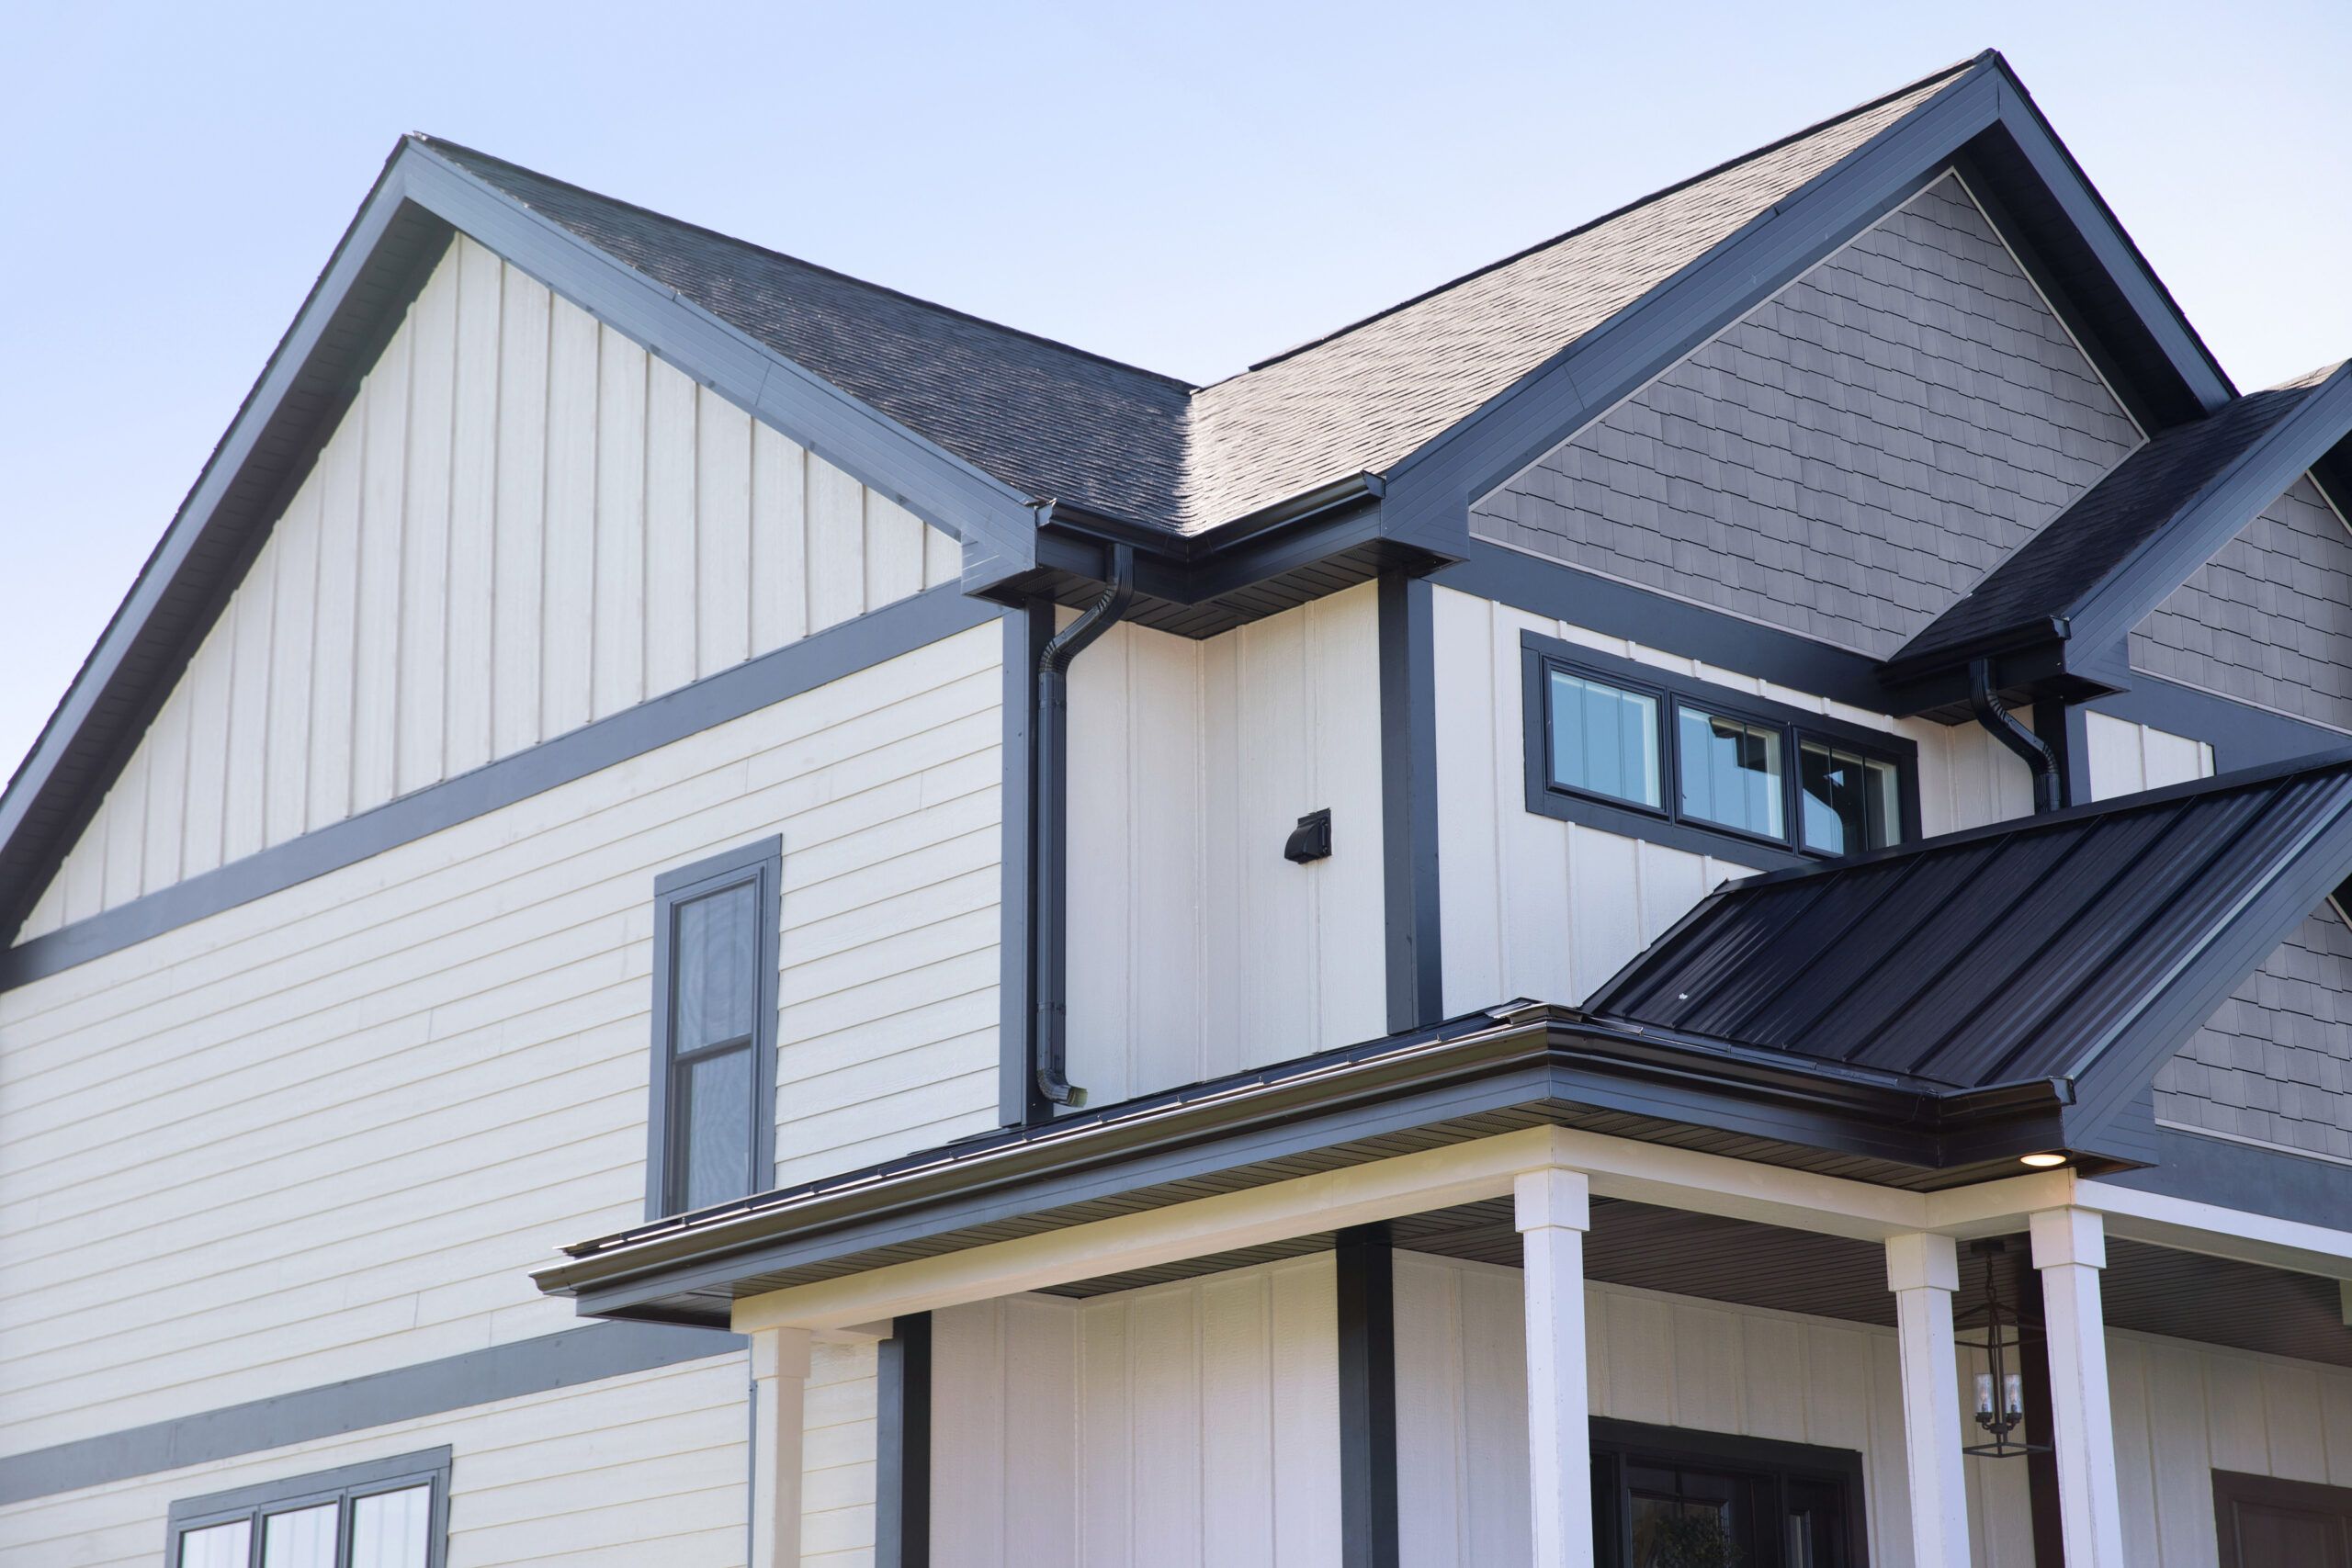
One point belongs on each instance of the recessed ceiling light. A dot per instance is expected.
(2041, 1162)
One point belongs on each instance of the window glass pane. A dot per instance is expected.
(1851, 803)
(217, 1546)
(715, 1118)
(1669, 1533)
(1731, 773)
(387, 1528)
(1604, 740)
(302, 1539)
(716, 954)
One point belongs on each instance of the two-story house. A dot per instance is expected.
(1672, 906)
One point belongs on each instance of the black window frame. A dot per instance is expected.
(1672, 692)
(343, 1486)
(759, 865)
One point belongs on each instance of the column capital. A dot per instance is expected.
(1922, 1260)
(1552, 1198)
(2068, 1236)
(780, 1352)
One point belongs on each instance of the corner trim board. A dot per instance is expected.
(1365, 1288)
(912, 623)
(539, 1365)
(902, 1445)
(1408, 803)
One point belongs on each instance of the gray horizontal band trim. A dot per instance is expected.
(551, 1362)
(812, 661)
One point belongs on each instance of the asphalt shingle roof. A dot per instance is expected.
(1058, 422)
(2051, 574)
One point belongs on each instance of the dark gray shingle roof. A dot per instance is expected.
(1053, 422)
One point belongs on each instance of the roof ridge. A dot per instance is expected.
(438, 144)
(1815, 129)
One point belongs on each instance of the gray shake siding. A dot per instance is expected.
(1851, 456)
(2274, 1064)
(2268, 620)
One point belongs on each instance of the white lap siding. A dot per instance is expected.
(1195, 948)
(646, 1469)
(1179, 1424)
(525, 522)
(1530, 906)
(327, 1133)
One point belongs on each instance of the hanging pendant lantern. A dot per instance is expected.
(1992, 1328)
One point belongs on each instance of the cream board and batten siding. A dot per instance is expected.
(329, 1131)
(2126, 758)
(1530, 906)
(2181, 1411)
(1195, 948)
(524, 522)
(1164, 1428)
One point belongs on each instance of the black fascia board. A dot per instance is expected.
(1430, 490)
(400, 231)
(1535, 1056)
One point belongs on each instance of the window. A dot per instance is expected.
(1640, 751)
(712, 1119)
(389, 1513)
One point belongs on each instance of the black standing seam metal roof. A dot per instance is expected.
(2085, 942)
(2157, 488)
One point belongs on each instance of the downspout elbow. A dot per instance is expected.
(2010, 732)
(1050, 1040)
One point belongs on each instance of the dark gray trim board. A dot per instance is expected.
(825, 656)
(541, 1365)
(1027, 629)
(902, 1445)
(342, 1486)
(1415, 960)
(761, 866)
(2246, 1177)
(1365, 1288)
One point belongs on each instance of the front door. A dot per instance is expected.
(2265, 1522)
(1666, 1498)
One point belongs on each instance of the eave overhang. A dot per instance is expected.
(1526, 1065)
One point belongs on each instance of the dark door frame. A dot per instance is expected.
(2232, 1486)
(1618, 1443)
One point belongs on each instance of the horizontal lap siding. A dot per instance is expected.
(1196, 948)
(1179, 1424)
(526, 522)
(362, 1109)
(644, 1469)
(837, 1458)
(1535, 907)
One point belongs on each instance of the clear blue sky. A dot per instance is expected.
(1186, 187)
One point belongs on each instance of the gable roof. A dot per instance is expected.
(2113, 556)
(1053, 422)
(1031, 452)
(2085, 945)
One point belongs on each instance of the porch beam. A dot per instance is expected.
(1552, 1208)
(2069, 1251)
(779, 1399)
(1923, 1270)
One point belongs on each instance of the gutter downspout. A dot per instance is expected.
(2006, 727)
(1050, 1040)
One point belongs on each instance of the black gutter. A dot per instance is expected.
(2004, 726)
(1574, 1060)
(1050, 1040)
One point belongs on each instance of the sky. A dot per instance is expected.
(1185, 187)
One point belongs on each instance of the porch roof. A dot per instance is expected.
(2085, 945)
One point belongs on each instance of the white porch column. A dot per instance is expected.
(779, 1388)
(2070, 1248)
(1553, 1208)
(1923, 1270)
